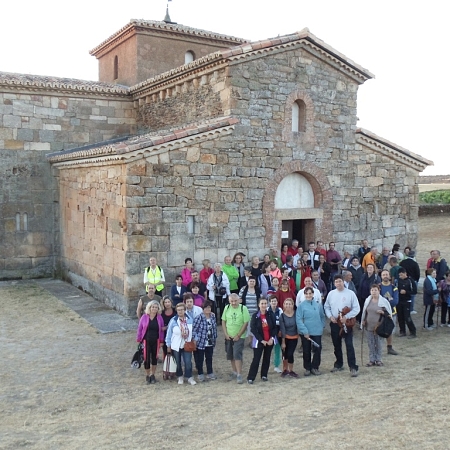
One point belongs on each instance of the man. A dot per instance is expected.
(407, 288)
(289, 265)
(438, 264)
(383, 258)
(145, 299)
(320, 248)
(363, 250)
(413, 272)
(201, 286)
(338, 299)
(191, 310)
(356, 271)
(276, 257)
(393, 262)
(348, 283)
(298, 256)
(293, 249)
(301, 294)
(319, 284)
(154, 275)
(334, 259)
(232, 274)
(370, 258)
(235, 319)
(390, 292)
(285, 275)
(313, 256)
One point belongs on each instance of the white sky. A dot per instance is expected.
(404, 43)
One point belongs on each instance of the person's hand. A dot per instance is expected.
(380, 311)
(283, 346)
(169, 350)
(343, 318)
(270, 341)
(333, 319)
(236, 339)
(306, 336)
(402, 292)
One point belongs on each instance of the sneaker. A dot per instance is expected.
(307, 373)
(233, 376)
(147, 379)
(412, 336)
(191, 381)
(391, 351)
(285, 373)
(278, 370)
(250, 381)
(379, 363)
(316, 372)
(428, 328)
(433, 326)
(443, 325)
(152, 379)
(211, 376)
(353, 373)
(264, 379)
(180, 380)
(413, 312)
(201, 377)
(293, 374)
(336, 369)
(448, 324)
(239, 379)
(402, 335)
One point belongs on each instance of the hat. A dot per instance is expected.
(412, 253)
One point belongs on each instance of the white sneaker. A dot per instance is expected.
(180, 380)
(443, 325)
(191, 381)
(413, 312)
(277, 370)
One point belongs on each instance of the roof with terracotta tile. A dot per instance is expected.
(13, 81)
(122, 146)
(382, 145)
(167, 27)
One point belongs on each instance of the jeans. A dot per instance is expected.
(200, 356)
(374, 343)
(187, 359)
(337, 344)
(308, 349)
(264, 351)
(404, 317)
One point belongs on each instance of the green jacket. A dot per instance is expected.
(233, 275)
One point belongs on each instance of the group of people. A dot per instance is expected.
(274, 304)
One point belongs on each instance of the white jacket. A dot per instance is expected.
(382, 303)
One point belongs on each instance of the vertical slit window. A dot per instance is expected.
(116, 67)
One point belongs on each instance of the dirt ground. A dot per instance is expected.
(64, 385)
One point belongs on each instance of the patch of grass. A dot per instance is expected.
(439, 197)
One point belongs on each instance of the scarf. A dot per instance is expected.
(184, 328)
(433, 284)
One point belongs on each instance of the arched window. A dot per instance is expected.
(116, 67)
(17, 221)
(25, 222)
(299, 116)
(189, 57)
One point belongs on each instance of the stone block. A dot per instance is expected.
(149, 215)
(200, 169)
(208, 158)
(164, 200)
(160, 244)
(138, 243)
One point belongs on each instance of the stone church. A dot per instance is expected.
(192, 143)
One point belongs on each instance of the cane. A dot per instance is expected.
(362, 339)
(437, 316)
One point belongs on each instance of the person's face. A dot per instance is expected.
(267, 270)
(274, 252)
(207, 310)
(385, 251)
(331, 246)
(315, 276)
(288, 305)
(151, 289)
(433, 274)
(339, 284)
(448, 277)
(194, 290)
(309, 295)
(355, 262)
(374, 251)
(284, 287)
(263, 306)
(234, 302)
(407, 251)
(305, 257)
(348, 277)
(189, 303)
(311, 247)
(370, 270)
(247, 273)
(266, 258)
(322, 258)
(195, 276)
(154, 309)
(319, 245)
(402, 275)
(255, 261)
(251, 283)
(275, 282)
(374, 292)
(365, 244)
(385, 276)
(227, 260)
(299, 264)
(273, 303)
(285, 274)
(435, 255)
(189, 264)
(218, 269)
(152, 262)
(180, 311)
(294, 244)
(273, 266)
(238, 259)
(308, 282)
(178, 280)
(285, 248)
(167, 303)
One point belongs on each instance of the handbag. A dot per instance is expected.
(169, 367)
(190, 346)
(385, 325)
(138, 357)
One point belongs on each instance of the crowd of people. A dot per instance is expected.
(281, 302)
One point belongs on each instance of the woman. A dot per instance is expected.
(346, 261)
(284, 292)
(430, 298)
(367, 280)
(168, 312)
(177, 290)
(205, 329)
(179, 332)
(238, 262)
(284, 253)
(374, 305)
(198, 299)
(264, 262)
(274, 270)
(310, 320)
(274, 288)
(263, 328)
(151, 331)
(277, 347)
(444, 294)
(250, 295)
(186, 273)
(397, 253)
(289, 337)
(218, 287)
(325, 271)
(303, 271)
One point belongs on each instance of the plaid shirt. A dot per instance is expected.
(200, 330)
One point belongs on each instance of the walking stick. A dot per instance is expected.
(362, 338)
(437, 316)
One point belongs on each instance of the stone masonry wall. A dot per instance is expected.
(32, 125)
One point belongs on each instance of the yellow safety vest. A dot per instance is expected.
(154, 278)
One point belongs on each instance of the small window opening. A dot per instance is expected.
(25, 222)
(189, 57)
(116, 67)
(299, 116)
(17, 221)
(190, 224)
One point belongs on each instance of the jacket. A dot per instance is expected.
(412, 268)
(211, 286)
(310, 318)
(256, 327)
(428, 292)
(143, 325)
(382, 303)
(200, 330)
